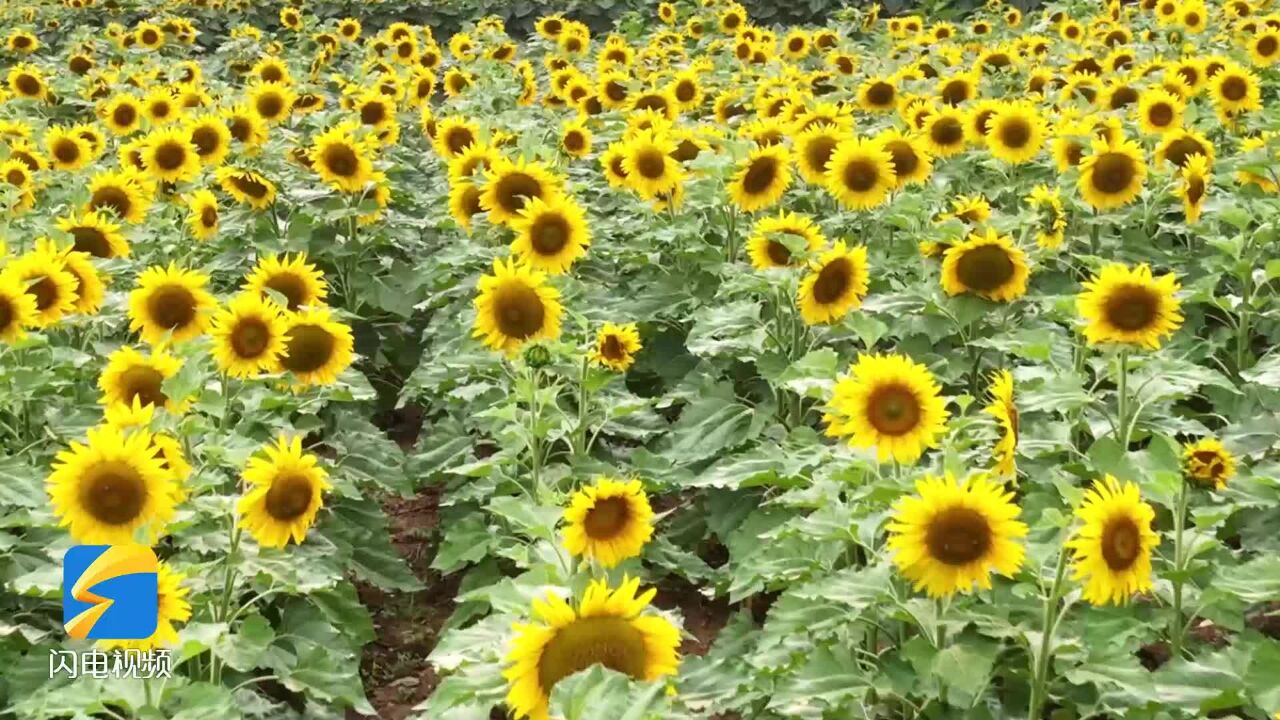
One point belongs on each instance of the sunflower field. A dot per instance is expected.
(910, 363)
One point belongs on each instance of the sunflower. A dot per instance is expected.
(169, 155)
(148, 35)
(271, 101)
(616, 346)
(958, 90)
(1207, 463)
(835, 284)
(813, 150)
(170, 305)
(608, 521)
(1111, 552)
(26, 80)
(17, 309)
(160, 106)
(341, 159)
(172, 607)
(945, 133)
(1113, 174)
(317, 348)
(1178, 146)
(298, 282)
(122, 115)
(245, 126)
(1195, 185)
(109, 489)
(1130, 306)
(1005, 412)
(454, 135)
(890, 403)
(860, 173)
(211, 137)
(1159, 111)
(45, 278)
(989, 266)
(247, 187)
(202, 214)
(767, 251)
(1016, 133)
(67, 150)
(606, 628)
(89, 291)
(94, 233)
(550, 236)
(514, 306)
(911, 162)
(285, 493)
(131, 377)
(575, 138)
(1051, 225)
(1246, 177)
(761, 179)
(878, 94)
(1264, 49)
(464, 202)
(951, 535)
(648, 164)
(511, 185)
(21, 41)
(121, 191)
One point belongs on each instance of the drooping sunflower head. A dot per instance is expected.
(515, 306)
(317, 348)
(550, 236)
(761, 179)
(285, 493)
(512, 184)
(1196, 177)
(247, 187)
(890, 403)
(951, 535)
(1207, 463)
(608, 521)
(1113, 174)
(616, 346)
(860, 173)
(989, 266)
(606, 628)
(1129, 306)
(1111, 552)
(114, 486)
(835, 284)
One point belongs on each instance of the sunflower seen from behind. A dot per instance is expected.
(550, 236)
(989, 266)
(170, 304)
(889, 403)
(608, 521)
(1111, 550)
(607, 627)
(951, 535)
(1208, 463)
(1130, 306)
(616, 346)
(285, 487)
(515, 305)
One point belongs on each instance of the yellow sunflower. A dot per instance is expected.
(299, 282)
(878, 94)
(1179, 145)
(161, 107)
(951, 535)
(17, 309)
(341, 159)
(1113, 174)
(1159, 111)
(511, 185)
(1051, 225)
(1005, 412)
(247, 187)
(26, 80)
(761, 179)
(284, 495)
(172, 607)
(1123, 305)
(616, 346)
(1196, 177)
(890, 403)
(169, 155)
(454, 135)
(767, 247)
(813, 149)
(607, 628)
(515, 306)
(835, 284)
(648, 165)
(911, 162)
(464, 202)
(170, 304)
(575, 138)
(211, 138)
(120, 191)
(944, 132)
(202, 214)
(608, 521)
(1016, 133)
(248, 336)
(45, 277)
(1111, 552)
(245, 126)
(550, 236)
(317, 348)
(989, 266)
(1207, 463)
(132, 377)
(860, 173)
(67, 150)
(89, 290)
(112, 489)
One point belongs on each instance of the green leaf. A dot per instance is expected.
(536, 521)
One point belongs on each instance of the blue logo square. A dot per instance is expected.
(110, 592)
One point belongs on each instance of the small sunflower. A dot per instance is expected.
(271, 101)
(299, 282)
(767, 247)
(245, 126)
(1196, 177)
(25, 80)
(247, 187)
(1111, 552)
(95, 234)
(550, 236)
(860, 173)
(133, 377)
(1051, 225)
(170, 305)
(341, 159)
(106, 491)
(1207, 463)
(1005, 412)
(575, 138)
(211, 137)
(1179, 145)
(1159, 111)
(45, 277)
(89, 290)
(515, 306)
(511, 185)
(122, 192)
(1113, 174)
(608, 521)
(989, 266)
(285, 493)
(606, 628)
(161, 107)
(317, 348)
(878, 94)
(1123, 305)
(835, 284)
(17, 309)
(1016, 133)
(951, 535)
(945, 133)
(648, 165)
(169, 155)
(464, 202)
(67, 150)
(202, 214)
(454, 135)
(616, 346)
(912, 164)
(890, 403)
(761, 179)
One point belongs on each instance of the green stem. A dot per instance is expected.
(584, 395)
(731, 251)
(1050, 619)
(228, 581)
(535, 440)
(1122, 400)
(1095, 231)
(974, 369)
(941, 640)
(146, 693)
(227, 397)
(1179, 562)
(1246, 317)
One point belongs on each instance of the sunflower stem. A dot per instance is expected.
(1179, 562)
(1095, 230)
(1122, 399)
(584, 395)
(224, 606)
(731, 251)
(1044, 660)
(146, 693)
(535, 440)
(1244, 330)
(227, 398)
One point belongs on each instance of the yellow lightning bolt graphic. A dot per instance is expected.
(118, 560)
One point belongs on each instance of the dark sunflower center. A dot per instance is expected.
(893, 410)
(573, 141)
(124, 115)
(686, 91)
(171, 156)
(458, 139)
(172, 307)
(112, 197)
(651, 102)
(240, 129)
(292, 287)
(615, 91)
(372, 113)
(833, 281)
(250, 338)
(308, 348)
(1113, 172)
(1121, 543)
(985, 268)
(341, 160)
(609, 516)
(860, 175)
(143, 383)
(760, 176)
(206, 140)
(817, 152)
(608, 641)
(270, 105)
(45, 291)
(612, 349)
(958, 536)
(1123, 96)
(687, 150)
(616, 166)
(471, 201)
(209, 217)
(114, 493)
(250, 186)
(67, 151)
(947, 131)
(905, 160)
(7, 314)
(289, 497)
(779, 254)
(1160, 114)
(1132, 308)
(271, 73)
(1208, 457)
(1015, 133)
(1182, 148)
(28, 84)
(16, 178)
(1234, 88)
(160, 110)
(955, 92)
(519, 311)
(1267, 46)
(150, 37)
(549, 234)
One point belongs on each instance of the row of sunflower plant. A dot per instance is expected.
(926, 362)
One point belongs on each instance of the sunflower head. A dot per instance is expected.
(17, 309)
(515, 306)
(296, 282)
(762, 178)
(1129, 306)
(317, 348)
(285, 486)
(608, 521)
(989, 266)
(835, 284)
(1111, 552)
(616, 346)
(170, 304)
(890, 403)
(1207, 463)
(1113, 174)
(550, 236)
(512, 184)
(860, 173)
